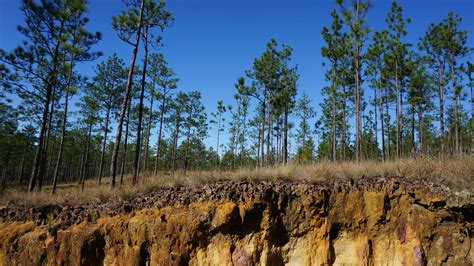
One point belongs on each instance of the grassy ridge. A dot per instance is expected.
(457, 173)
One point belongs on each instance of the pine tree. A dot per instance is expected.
(108, 88)
(89, 111)
(128, 23)
(39, 59)
(455, 49)
(335, 49)
(166, 81)
(354, 15)
(376, 71)
(396, 60)
(154, 16)
(219, 120)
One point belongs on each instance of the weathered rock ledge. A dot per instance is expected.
(367, 221)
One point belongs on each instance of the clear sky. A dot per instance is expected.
(213, 42)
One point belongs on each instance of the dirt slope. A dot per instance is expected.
(367, 221)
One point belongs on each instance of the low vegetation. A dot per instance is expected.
(456, 173)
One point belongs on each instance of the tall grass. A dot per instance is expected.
(457, 173)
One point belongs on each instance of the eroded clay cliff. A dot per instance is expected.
(368, 221)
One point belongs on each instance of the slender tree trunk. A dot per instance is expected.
(413, 142)
(262, 145)
(23, 159)
(136, 164)
(381, 118)
(49, 150)
(148, 130)
(64, 122)
(441, 107)
(269, 127)
(277, 144)
(81, 165)
(86, 157)
(343, 133)
(376, 126)
(258, 144)
(104, 142)
(45, 171)
(218, 138)
(113, 165)
(357, 105)
(357, 84)
(456, 111)
(334, 106)
(125, 145)
(175, 143)
(160, 130)
(188, 138)
(63, 138)
(420, 128)
(397, 111)
(5, 169)
(285, 137)
(39, 149)
(472, 101)
(401, 122)
(472, 111)
(389, 137)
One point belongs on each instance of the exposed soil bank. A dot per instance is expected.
(368, 221)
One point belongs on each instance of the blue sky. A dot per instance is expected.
(213, 42)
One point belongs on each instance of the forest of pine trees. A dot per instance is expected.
(385, 99)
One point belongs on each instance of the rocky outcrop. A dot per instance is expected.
(368, 221)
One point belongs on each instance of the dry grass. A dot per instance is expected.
(457, 173)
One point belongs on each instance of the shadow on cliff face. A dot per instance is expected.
(92, 251)
(144, 258)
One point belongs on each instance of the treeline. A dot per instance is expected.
(385, 99)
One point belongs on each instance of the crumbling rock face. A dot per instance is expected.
(369, 221)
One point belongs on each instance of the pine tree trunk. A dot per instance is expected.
(376, 126)
(160, 130)
(64, 122)
(81, 166)
(104, 142)
(38, 161)
(188, 138)
(401, 123)
(23, 159)
(357, 84)
(334, 106)
(381, 119)
(86, 158)
(262, 145)
(397, 111)
(285, 138)
(113, 165)
(456, 111)
(148, 130)
(63, 137)
(389, 137)
(420, 128)
(441, 107)
(45, 171)
(175, 143)
(258, 145)
(269, 127)
(136, 163)
(413, 146)
(218, 138)
(125, 145)
(343, 133)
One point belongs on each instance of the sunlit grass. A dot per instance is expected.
(457, 173)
